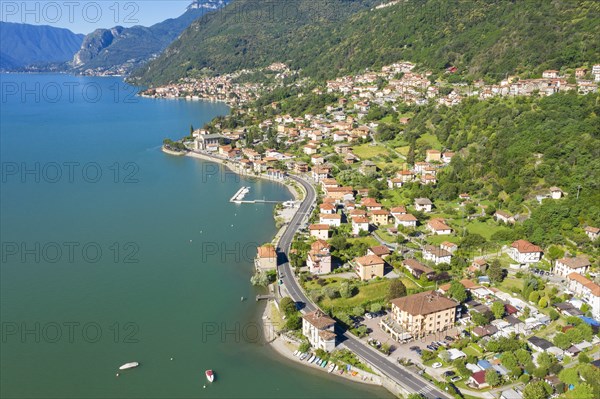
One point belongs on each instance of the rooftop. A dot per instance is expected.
(424, 303)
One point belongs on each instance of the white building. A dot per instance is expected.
(319, 329)
(523, 251)
(436, 255)
(566, 266)
(359, 223)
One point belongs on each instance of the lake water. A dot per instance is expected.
(115, 252)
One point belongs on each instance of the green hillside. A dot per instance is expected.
(509, 150)
(483, 38)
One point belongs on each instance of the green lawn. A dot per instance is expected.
(485, 229)
(403, 150)
(367, 151)
(438, 239)
(370, 241)
(431, 141)
(375, 291)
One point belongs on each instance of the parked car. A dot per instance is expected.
(414, 348)
(436, 365)
(448, 373)
(455, 378)
(449, 338)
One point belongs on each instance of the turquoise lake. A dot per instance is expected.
(113, 252)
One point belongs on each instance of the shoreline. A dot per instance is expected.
(286, 350)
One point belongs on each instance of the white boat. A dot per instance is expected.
(311, 359)
(128, 366)
(332, 368)
(210, 376)
(296, 353)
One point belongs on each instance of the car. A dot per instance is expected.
(449, 339)
(436, 365)
(431, 348)
(448, 373)
(419, 352)
(414, 348)
(455, 378)
(368, 316)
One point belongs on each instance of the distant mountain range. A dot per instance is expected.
(120, 50)
(23, 44)
(481, 38)
(117, 50)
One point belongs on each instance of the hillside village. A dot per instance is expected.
(442, 285)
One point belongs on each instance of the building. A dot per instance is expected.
(424, 313)
(550, 74)
(380, 217)
(319, 231)
(417, 269)
(449, 246)
(587, 290)
(319, 329)
(359, 223)
(539, 344)
(433, 156)
(319, 258)
(439, 226)
(524, 252)
(327, 208)
(505, 217)
(266, 258)
(556, 193)
(207, 142)
(436, 255)
(380, 250)
(331, 219)
(565, 266)
(423, 204)
(477, 380)
(300, 167)
(592, 232)
(369, 266)
(406, 220)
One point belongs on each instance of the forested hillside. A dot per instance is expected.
(512, 149)
(483, 38)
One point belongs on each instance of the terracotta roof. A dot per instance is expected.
(416, 265)
(408, 217)
(380, 212)
(360, 219)
(335, 216)
(327, 335)
(399, 209)
(423, 201)
(424, 303)
(319, 245)
(438, 224)
(358, 212)
(267, 251)
(593, 287)
(369, 260)
(591, 229)
(436, 251)
(575, 263)
(327, 207)
(319, 319)
(380, 250)
(525, 247)
(318, 227)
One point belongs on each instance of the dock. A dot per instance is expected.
(238, 198)
(264, 297)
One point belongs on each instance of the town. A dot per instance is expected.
(445, 288)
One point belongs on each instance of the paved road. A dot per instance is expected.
(398, 373)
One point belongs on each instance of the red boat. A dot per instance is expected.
(210, 376)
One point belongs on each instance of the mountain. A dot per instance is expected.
(482, 38)
(121, 49)
(23, 44)
(247, 34)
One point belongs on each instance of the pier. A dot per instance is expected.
(264, 297)
(238, 198)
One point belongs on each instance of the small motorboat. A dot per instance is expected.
(332, 368)
(128, 366)
(303, 356)
(324, 363)
(318, 360)
(311, 359)
(296, 353)
(210, 376)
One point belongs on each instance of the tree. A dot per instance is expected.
(583, 358)
(304, 347)
(523, 356)
(492, 377)
(537, 390)
(457, 291)
(498, 309)
(495, 271)
(581, 391)
(543, 303)
(479, 319)
(376, 307)
(396, 289)
(287, 306)
(569, 376)
(555, 252)
(358, 311)
(346, 290)
(293, 322)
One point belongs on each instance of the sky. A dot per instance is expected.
(85, 16)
